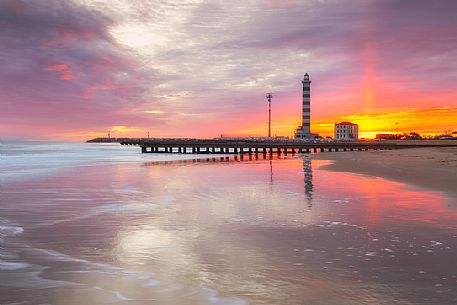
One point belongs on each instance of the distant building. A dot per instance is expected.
(304, 131)
(346, 131)
(388, 136)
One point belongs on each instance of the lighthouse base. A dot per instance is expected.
(300, 133)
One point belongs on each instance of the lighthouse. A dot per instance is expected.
(304, 131)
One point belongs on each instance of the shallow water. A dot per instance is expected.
(127, 229)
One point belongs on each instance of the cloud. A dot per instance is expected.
(64, 69)
(45, 43)
(201, 68)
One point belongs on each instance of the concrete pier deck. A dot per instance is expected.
(270, 146)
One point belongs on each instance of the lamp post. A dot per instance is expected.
(269, 96)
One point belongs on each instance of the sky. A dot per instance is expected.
(74, 69)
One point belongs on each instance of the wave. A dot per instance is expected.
(26, 267)
(23, 161)
(8, 228)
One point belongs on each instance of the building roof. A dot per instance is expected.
(346, 123)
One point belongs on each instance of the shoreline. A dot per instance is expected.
(433, 168)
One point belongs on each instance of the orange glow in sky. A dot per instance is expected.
(430, 121)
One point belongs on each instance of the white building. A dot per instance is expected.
(346, 131)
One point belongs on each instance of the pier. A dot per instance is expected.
(269, 146)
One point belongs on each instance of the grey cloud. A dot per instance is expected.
(38, 35)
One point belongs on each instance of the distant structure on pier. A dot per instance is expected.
(346, 131)
(388, 136)
(304, 131)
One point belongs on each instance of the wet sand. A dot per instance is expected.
(430, 168)
(260, 232)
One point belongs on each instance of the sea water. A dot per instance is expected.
(102, 223)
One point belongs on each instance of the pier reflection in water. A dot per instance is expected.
(306, 159)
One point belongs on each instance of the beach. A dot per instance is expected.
(121, 227)
(434, 168)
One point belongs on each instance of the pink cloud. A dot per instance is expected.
(64, 70)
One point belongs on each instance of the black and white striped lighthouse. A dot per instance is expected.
(304, 131)
(306, 110)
